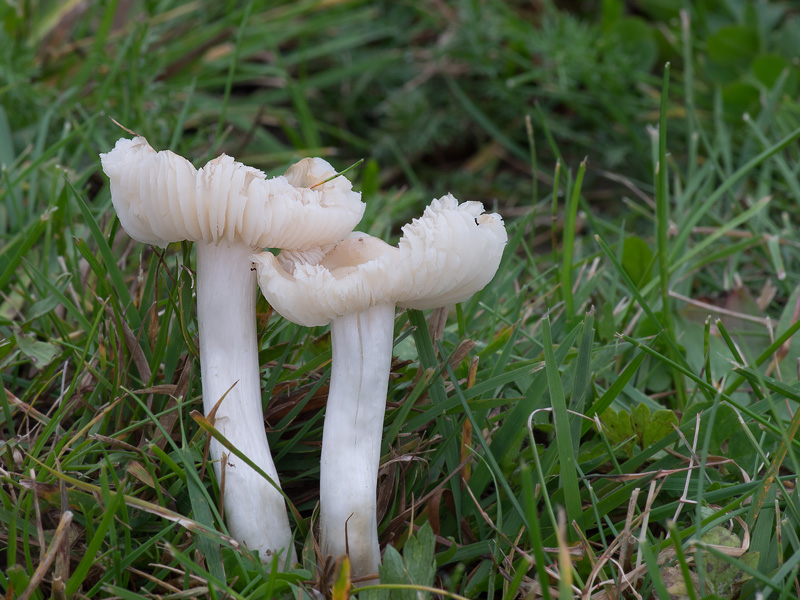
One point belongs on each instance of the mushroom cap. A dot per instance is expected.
(443, 257)
(161, 198)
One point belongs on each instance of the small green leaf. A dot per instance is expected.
(768, 67)
(392, 570)
(416, 567)
(659, 427)
(723, 578)
(618, 425)
(40, 353)
(739, 98)
(648, 427)
(637, 259)
(640, 419)
(418, 554)
(41, 308)
(618, 428)
(676, 584)
(733, 46)
(18, 580)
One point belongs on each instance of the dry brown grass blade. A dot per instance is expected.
(652, 493)
(564, 560)
(210, 417)
(58, 538)
(466, 428)
(132, 342)
(628, 575)
(739, 235)
(25, 407)
(466, 452)
(620, 543)
(168, 389)
(461, 352)
(154, 509)
(433, 512)
(775, 465)
(61, 574)
(285, 398)
(720, 310)
(39, 528)
(626, 545)
(121, 126)
(436, 325)
(596, 562)
(397, 523)
(387, 475)
(116, 443)
(99, 416)
(195, 592)
(223, 470)
(168, 419)
(663, 473)
(684, 499)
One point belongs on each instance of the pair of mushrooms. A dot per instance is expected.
(324, 274)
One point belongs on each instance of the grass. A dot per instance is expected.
(615, 415)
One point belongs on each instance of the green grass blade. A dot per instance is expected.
(699, 212)
(477, 428)
(110, 263)
(662, 249)
(569, 476)
(568, 244)
(534, 536)
(79, 573)
(201, 511)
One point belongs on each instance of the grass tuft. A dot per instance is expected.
(615, 415)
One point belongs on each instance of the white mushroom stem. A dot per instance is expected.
(443, 257)
(231, 210)
(255, 510)
(351, 438)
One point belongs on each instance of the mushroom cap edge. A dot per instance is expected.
(161, 198)
(452, 251)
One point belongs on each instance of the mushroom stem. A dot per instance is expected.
(255, 510)
(351, 438)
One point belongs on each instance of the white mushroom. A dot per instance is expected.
(443, 258)
(229, 211)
